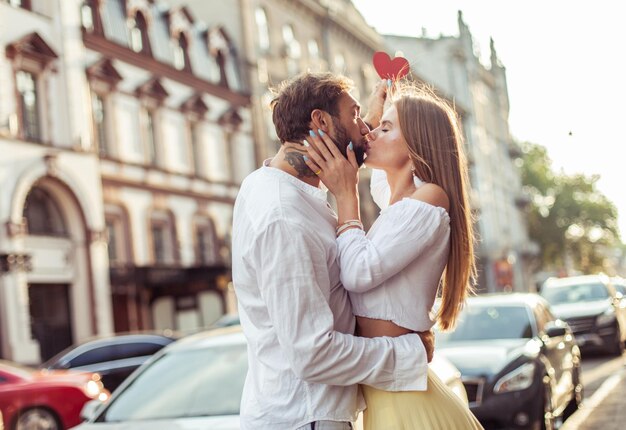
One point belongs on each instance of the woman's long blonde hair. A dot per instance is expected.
(431, 129)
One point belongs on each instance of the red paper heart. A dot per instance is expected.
(388, 68)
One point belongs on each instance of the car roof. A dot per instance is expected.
(232, 335)
(529, 299)
(575, 280)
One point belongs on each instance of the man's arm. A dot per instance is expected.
(292, 265)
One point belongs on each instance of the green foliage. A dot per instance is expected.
(568, 216)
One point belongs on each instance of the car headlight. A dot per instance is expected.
(92, 389)
(607, 317)
(519, 379)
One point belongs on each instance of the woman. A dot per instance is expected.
(421, 242)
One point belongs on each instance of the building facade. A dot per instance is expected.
(452, 65)
(281, 38)
(125, 131)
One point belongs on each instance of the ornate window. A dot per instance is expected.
(207, 243)
(153, 95)
(150, 135)
(340, 63)
(139, 40)
(90, 16)
(163, 237)
(292, 50)
(31, 57)
(25, 4)
(99, 123)
(195, 109)
(181, 54)
(219, 48)
(314, 50)
(103, 79)
(42, 214)
(29, 105)
(263, 32)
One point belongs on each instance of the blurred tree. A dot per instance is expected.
(574, 224)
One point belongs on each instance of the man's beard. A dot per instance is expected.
(342, 140)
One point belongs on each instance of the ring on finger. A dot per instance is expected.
(318, 172)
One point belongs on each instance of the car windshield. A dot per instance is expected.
(484, 322)
(560, 294)
(186, 383)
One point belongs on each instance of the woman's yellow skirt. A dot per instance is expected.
(437, 408)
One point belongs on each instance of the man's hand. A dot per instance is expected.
(376, 104)
(428, 339)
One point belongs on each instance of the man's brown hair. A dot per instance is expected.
(296, 98)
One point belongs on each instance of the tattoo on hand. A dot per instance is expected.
(295, 158)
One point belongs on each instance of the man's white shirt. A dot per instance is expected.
(304, 362)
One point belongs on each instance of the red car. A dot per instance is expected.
(51, 400)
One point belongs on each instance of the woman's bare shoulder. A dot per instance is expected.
(432, 194)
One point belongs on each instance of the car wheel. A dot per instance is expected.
(37, 419)
(617, 346)
(577, 396)
(548, 416)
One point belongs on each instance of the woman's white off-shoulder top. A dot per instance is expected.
(392, 273)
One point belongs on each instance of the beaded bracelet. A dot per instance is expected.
(347, 224)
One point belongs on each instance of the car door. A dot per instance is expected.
(559, 354)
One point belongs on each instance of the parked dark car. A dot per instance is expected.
(592, 308)
(519, 363)
(113, 357)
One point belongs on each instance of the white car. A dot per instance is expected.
(195, 383)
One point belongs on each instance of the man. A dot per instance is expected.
(304, 362)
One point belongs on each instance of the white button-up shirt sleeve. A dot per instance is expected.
(294, 267)
(402, 232)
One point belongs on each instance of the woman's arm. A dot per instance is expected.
(400, 235)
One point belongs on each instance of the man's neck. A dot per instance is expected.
(290, 159)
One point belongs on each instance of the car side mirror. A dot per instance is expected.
(89, 410)
(554, 329)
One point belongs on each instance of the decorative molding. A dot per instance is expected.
(15, 229)
(15, 262)
(103, 70)
(50, 160)
(195, 104)
(153, 89)
(31, 47)
(122, 53)
(98, 236)
(230, 117)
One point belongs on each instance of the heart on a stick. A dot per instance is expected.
(388, 68)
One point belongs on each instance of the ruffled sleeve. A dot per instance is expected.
(400, 235)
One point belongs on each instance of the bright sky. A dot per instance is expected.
(566, 72)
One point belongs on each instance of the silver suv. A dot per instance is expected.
(590, 304)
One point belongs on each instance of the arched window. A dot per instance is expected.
(292, 50)
(340, 63)
(29, 104)
(42, 214)
(207, 243)
(139, 40)
(90, 16)
(181, 53)
(263, 32)
(163, 238)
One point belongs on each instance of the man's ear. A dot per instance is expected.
(320, 120)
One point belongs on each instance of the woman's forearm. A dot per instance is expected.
(348, 207)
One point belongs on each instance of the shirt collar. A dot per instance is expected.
(316, 192)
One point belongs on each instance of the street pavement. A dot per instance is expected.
(605, 409)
